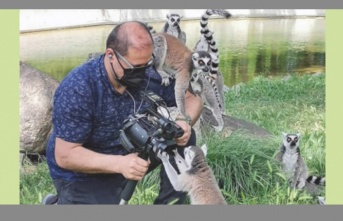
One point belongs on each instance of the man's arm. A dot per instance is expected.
(194, 106)
(75, 157)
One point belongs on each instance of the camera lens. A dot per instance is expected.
(137, 135)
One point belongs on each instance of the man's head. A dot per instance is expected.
(129, 49)
(133, 34)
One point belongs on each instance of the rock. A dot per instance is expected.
(36, 101)
(286, 78)
(317, 74)
(231, 124)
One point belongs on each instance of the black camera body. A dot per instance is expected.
(150, 130)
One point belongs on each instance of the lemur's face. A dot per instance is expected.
(174, 20)
(291, 141)
(202, 61)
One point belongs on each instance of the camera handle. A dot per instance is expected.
(130, 186)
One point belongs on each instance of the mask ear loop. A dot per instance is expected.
(153, 66)
(146, 87)
(116, 78)
(134, 102)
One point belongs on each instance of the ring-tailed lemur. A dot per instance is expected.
(172, 27)
(151, 29)
(208, 44)
(174, 60)
(294, 165)
(218, 82)
(211, 89)
(206, 88)
(206, 41)
(195, 176)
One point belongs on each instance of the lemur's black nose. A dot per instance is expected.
(292, 143)
(205, 69)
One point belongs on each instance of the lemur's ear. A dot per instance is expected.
(167, 16)
(284, 135)
(204, 149)
(298, 135)
(195, 56)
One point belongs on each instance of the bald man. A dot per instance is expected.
(87, 163)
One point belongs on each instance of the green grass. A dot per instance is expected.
(245, 165)
(295, 105)
(35, 182)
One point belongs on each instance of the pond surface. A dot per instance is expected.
(247, 47)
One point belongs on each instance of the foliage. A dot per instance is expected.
(244, 165)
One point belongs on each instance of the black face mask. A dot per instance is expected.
(132, 77)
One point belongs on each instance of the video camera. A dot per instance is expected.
(150, 130)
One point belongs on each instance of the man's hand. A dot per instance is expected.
(133, 167)
(182, 141)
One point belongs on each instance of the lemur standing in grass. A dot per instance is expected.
(172, 27)
(195, 176)
(294, 165)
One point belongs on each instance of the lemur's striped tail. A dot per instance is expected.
(209, 12)
(316, 180)
(208, 36)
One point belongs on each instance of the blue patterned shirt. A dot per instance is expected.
(89, 111)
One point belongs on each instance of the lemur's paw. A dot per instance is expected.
(163, 155)
(165, 81)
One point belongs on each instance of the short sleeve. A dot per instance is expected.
(72, 113)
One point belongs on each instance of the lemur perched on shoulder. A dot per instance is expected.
(294, 165)
(172, 27)
(173, 59)
(195, 177)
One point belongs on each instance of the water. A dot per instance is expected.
(247, 47)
